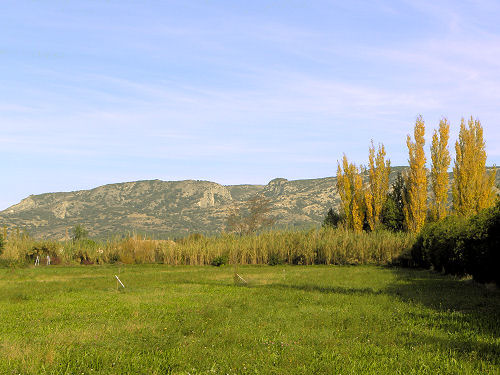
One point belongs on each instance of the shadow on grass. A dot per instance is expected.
(284, 286)
(461, 316)
(322, 289)
(466, 314)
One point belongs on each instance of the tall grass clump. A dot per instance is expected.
(316, 246)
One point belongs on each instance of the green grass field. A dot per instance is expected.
(287, 320)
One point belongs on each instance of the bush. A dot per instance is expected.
(42, 249)
(79, 232)
(299, 260)
(113, 257)
(441, 244)
(274, 260)
(220, 260)
(459, 246)
(482, 250)
(2, 244)
(85, 251)
(333, 219)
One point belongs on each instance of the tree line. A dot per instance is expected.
(417, 196)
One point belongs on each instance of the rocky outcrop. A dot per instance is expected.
(170, 208)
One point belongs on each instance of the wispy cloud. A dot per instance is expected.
(199, 88)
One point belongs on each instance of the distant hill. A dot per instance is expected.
(170, 208)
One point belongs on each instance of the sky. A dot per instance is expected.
(102, 91)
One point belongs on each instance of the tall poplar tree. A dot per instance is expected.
(376, 194)
(472, 184)
(415, 208)
(439, 171)
(350, 188)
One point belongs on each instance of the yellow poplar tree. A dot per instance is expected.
(439, 171)
(378, 176)
(415, 205)
(350, 188)
(472, 184)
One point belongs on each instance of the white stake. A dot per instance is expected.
(242, 279)
(120, 281)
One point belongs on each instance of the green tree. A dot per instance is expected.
(79, 232)
(393, 210)
(333, 219)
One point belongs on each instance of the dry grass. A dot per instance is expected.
(316, 246)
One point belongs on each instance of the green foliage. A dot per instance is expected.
(333, 219)
(274, 260)
(459, 246)
(392, 211)
(482, 250)
(220, 260)
(441, 244)
(2, 244)
(299, 259)
(79, 232)
(42, 249)
(392, 216)
(85, 251)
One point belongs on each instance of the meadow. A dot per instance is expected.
(318, 319)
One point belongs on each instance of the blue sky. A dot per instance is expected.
(96, 92)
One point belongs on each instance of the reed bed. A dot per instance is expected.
(316, 246)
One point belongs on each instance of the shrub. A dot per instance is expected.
(113, 257)
(333, 219)
(274, 260)
(482, 247)
(1, 244)
(459, 246)
(299, 259)
(220, 260)
(79, 232)
(42, 249)
(441, 244)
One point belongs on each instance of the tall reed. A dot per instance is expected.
(316, 246)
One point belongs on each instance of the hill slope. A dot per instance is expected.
(170, 208)
(165, 207)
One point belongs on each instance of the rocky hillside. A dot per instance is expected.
(166, 208)
(169, 208)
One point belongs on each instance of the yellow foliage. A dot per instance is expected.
(378, 173)
(370, 215)
(472, 184)
(350, 188)
(415, 205)
(439, 171)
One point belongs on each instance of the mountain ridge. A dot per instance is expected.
(170, 208)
